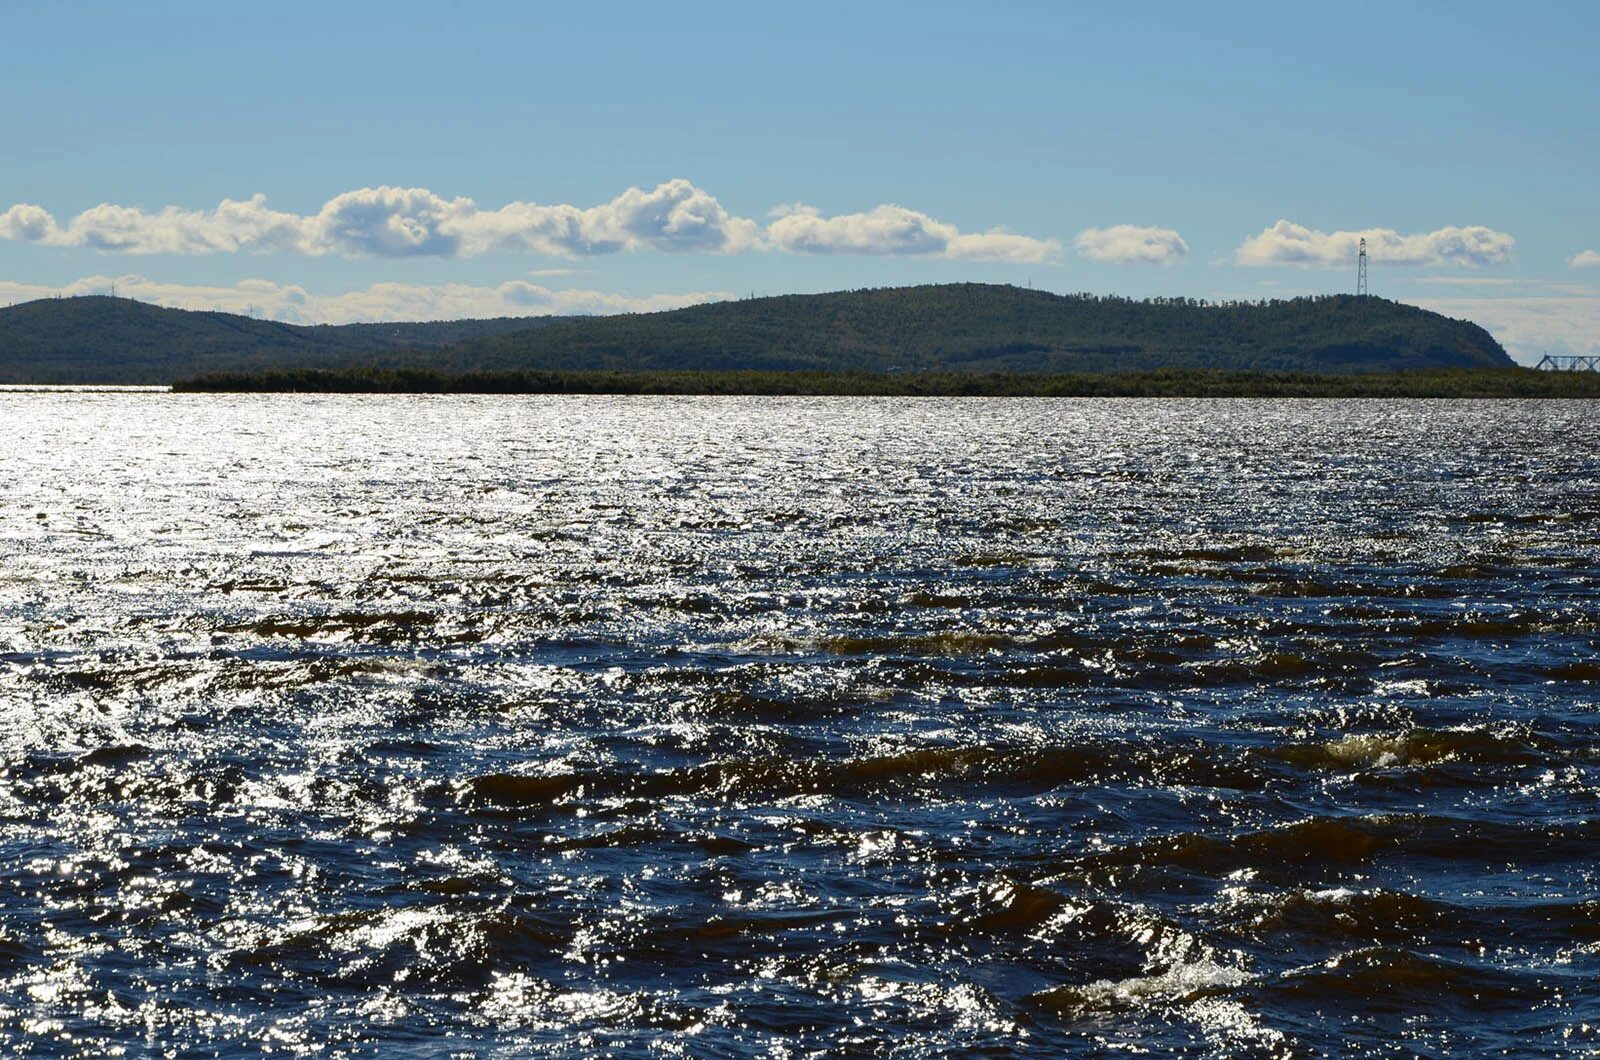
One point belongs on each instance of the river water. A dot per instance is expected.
(481, 727)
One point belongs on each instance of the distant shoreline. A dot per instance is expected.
(84, 388)
(1443, 383)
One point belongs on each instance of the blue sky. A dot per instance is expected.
(1138, 148)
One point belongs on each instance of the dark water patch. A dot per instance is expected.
(655, 838)
(1463, 624)
(996, 559)
(250, 585)
(950, 772)
(1243, 553)
(1009, 907)
(933, 599)
(1340, 917)
(950, 643)
(1331, 848)
(1404, 980)
(1324, 843)
(1585, 671)
(738, 705)
(377, 627)
(446, 946)
(113, 755)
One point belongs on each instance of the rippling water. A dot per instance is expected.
(490, 727)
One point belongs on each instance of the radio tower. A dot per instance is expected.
(1361, 270)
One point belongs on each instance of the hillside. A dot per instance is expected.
(981, 328)
(95, 339)
(960, 328)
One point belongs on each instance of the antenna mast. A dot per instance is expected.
(1361, 270)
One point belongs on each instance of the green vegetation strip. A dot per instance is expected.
(1453, 383)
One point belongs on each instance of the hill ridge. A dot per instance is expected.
(101, 339)
(966, 327)
(989, 328)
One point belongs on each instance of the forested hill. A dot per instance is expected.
(95, 339)
(981, 328)
(949, 328)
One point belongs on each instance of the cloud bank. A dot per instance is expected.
(1131, 245)
(1585, 259)
(891, 229)
(391, 222)
(1287, 243)
(293, 304)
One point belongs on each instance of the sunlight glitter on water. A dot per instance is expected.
(778, 726)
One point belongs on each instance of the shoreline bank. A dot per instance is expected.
(1457, 383)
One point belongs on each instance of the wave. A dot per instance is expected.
(1340, 916)
(1415, 747)
(920, 772)
(1335, 844)
(1179, 984)
(1395, 978)
(440, 627)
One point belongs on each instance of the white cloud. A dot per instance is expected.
(885, 230)
(382, 301)
(891, 229)
(28, 223)
(1287, 243)
(1529, 327)
(234, 225)
(998, 245)
(393, 222)
(387, 222)
(674, 216)
(1131, 244)
(1584, 259)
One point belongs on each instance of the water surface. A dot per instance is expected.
(411, 726)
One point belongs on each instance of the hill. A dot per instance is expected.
(983, 328)
(95, 339)
(954, 328)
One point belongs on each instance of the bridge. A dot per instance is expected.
(1564, 362)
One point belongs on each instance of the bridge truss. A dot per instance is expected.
(1563, 362)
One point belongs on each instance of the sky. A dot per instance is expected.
(358, 161)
